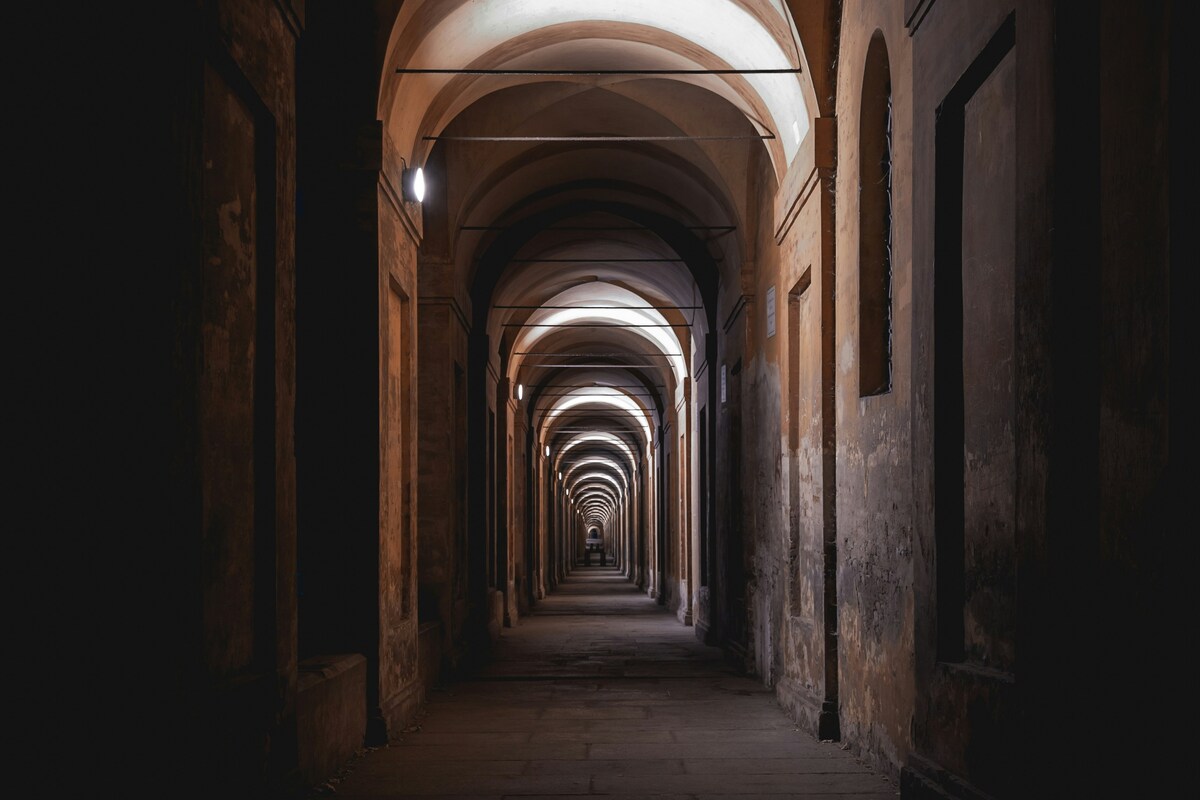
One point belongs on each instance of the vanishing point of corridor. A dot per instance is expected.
(601, 692)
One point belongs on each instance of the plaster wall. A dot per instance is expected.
(874, 450)
(805, 661)
(399, 689)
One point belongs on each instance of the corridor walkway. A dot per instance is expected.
(603, 693)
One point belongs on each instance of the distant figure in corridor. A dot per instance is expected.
(593, 544)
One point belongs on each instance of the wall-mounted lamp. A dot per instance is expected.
(412, 182)
(560, 476)
(520, 391)
(547, 451)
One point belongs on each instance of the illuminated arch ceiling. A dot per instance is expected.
(598, 313)
(596, 35)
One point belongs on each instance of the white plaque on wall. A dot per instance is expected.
(770, 312)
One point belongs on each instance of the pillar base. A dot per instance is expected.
(810, 711)
(829, 724)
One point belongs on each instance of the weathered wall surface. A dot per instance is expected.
(518, 581)
(399, 689)
(442, 528)
(675, 528)
(806, 660)
(446, 539)
(331, 714)
(728, 590)
(701, 491)
(763, 484)
(683, 499)
(981, 354)
(247, 460)
(874, 489)
(207, 303)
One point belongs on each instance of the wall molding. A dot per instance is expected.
(816, 158)
(441, 300)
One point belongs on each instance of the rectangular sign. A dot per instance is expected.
(770, 312)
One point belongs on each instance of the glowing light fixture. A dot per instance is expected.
(413, 180)
(520, 391)
(547, 451)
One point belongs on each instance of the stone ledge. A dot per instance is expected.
(331, 713)
(801, 704)
(923, 779)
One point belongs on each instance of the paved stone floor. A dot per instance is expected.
(602, 692)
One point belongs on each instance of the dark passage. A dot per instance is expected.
(602, 692)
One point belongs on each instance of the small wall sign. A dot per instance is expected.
(770, 312)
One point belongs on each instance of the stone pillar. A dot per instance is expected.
(356, 371)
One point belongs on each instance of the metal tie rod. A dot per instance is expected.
(560, 435)
(591, 72)
(603, 308)
(586, 413)
(557, 431)
(614, 425)
(596, 228)
(605, 386)
(580, 420)
(599, 355)
(566, 429)
(596, 366)
(570, 416)
(553, 397)
(596, 325)
(699, 138)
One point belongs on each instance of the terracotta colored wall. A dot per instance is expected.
(443, 541)
(804, 664)
(874, 526)
(399, 690)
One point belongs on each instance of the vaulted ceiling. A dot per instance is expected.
(593, 169)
